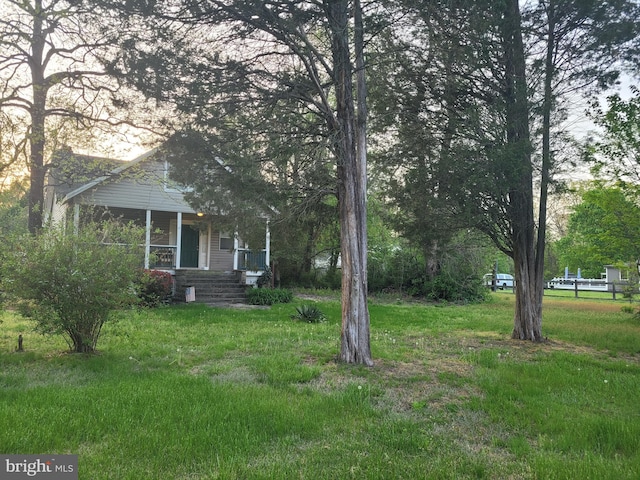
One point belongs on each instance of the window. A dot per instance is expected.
(226, 242)
(171, 185)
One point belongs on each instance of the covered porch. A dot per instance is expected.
(180, 240)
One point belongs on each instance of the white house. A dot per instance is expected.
(178, 238)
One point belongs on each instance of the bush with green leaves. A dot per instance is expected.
(155, 287)
(70, 283)
(457, 277)
(309, 313)
(264, 280)
(269, 296)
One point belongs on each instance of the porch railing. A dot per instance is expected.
(252, 260)
(162, 256)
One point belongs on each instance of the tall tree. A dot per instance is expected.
(50, 69)
(471, 111)
(519, 211)
(465, 127)
(261, 57)
(584, 45)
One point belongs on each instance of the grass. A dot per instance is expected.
(190, 392)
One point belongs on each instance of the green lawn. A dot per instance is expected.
(190, 392)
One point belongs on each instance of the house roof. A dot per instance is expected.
(91, 172)
(68, 170)
(71, 175)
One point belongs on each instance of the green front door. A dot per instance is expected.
(190, 243)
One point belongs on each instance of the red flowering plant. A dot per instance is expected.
(155, 287)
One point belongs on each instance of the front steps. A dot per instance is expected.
(212, 288)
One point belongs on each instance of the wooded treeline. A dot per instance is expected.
(446, 118)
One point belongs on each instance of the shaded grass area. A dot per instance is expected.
(190, 392)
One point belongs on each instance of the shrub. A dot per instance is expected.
(264, 280)
(331, 280)
(309, 313)
(155, 287)
(269, 296)
(70, 283)
(450, 289)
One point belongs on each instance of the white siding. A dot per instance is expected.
(58, 213)
(136, 189)
(220, 260)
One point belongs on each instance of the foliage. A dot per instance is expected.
(628, 309)
(71, 283)
(330, 279)
(265, 279)
(447, 269)
(309, 313)
(450, 289)
(394, 268)
(13, 208)
(305, 242)
(551, 262)
(155, 287)
(471, 106)
(617, 153)
(269, 296)
(455, 277)
(13, 220)
(602, 230)
(462, 139)
(13, 156)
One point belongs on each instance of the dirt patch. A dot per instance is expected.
(438, 380)
(240, 306)
(316, 298)
(527, 350)
(440, 377)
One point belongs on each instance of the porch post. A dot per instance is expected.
(178, 238)
(147, 240)
(235, 251)
(209, 246)
(76, 218)
(267, 246)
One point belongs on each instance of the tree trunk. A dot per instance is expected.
(37, 134)
(36, 167)
(547, 106)
(432, 260)
(351, 160)
(528, 311)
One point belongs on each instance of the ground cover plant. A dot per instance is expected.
(269, 296)
(189, 392)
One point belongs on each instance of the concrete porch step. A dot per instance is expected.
(212, 288)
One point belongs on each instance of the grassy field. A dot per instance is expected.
(190, 392)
